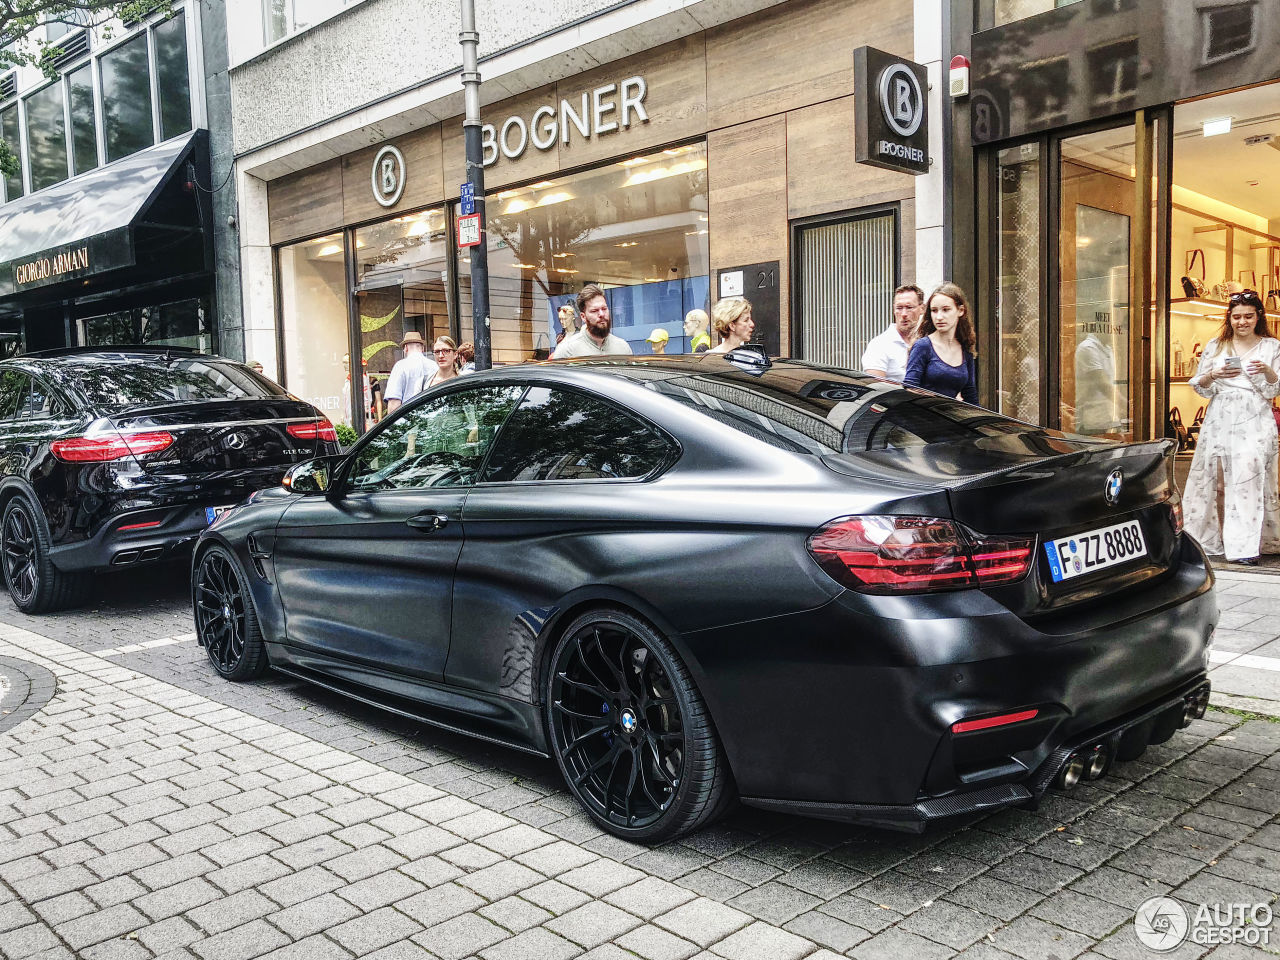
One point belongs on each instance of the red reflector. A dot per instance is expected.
(312, 430)
(141, 526)
(109, 446)
(986, 723)
(888, 554)
(1175, 516)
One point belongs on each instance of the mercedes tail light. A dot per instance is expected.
(893, 555)
(313, 430)
(110, 446)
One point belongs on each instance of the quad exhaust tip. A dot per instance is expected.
(1194, 706)
(1087, 763)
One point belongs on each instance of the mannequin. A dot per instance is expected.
(695, 328)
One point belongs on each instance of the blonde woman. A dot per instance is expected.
(1235, 458)
(731, 320)
(450, 364)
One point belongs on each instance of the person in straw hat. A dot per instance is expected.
(411, 374)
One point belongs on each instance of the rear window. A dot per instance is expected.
(822, 411)
(139, 381)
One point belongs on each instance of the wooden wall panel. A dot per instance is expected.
(796, 54)
(424, 184)
(533, 164)
(306, 203)
(822, 176)
(747, 203)
(675, 77)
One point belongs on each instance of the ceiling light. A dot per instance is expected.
(561, 256)
(542, 186)
(634, 161)
(661, 173)
(330, 250)
(564, 270)
(674, 151)
(652, 279)
(1214, 128)
(506, 194)
(517, 206)
(629, 243)
(552, 198)
(524, 266)
(466, 259)
(419, 228)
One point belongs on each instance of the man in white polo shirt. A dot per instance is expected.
(886, 354)
(596, 338)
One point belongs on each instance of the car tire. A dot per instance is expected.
(630, 731)
(34, 583)
(226, 619)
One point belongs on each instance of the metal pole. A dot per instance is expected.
(470, 40)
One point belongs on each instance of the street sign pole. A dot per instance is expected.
(470, 40)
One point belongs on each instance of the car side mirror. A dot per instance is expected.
(309, 476)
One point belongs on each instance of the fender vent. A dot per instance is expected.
(256, 556)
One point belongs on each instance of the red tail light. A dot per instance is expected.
(110, 446)
(889, 555)
(986, 723)
(313, 430)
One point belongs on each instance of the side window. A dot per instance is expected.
(42, 403)
(13, 394)
(439, 444)
(564, 435)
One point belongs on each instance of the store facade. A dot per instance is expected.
(1118, 168)
(721, 161)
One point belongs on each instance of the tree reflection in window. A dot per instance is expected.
(563, 435)
(165, 379)
(441, 443)
(126, 98)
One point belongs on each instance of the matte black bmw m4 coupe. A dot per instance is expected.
(111, 458)
(695, 579)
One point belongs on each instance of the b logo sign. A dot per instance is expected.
(901, 99)
(388, 176)
(891, 111)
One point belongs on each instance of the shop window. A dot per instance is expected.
(313, 322)
(1018, 297)
(84, 136)
(637, 228)
(9, 131)
(1228, 30)
(46, 137)
(564, 435)
(181, 323)
(283, 18)
(401, 285)
(126, 98)
(171, 77)
(847, 273)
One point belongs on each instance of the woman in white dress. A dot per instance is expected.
(1231, 504)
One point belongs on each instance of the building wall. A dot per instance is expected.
(771, 92)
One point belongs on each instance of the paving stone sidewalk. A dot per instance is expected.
(141, 818)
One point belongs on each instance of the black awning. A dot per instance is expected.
(86, 226)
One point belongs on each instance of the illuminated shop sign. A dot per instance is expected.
(51, 267)
(606, 109)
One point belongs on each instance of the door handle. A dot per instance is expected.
(430, 522)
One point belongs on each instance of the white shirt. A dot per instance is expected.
(409, 376)
(887, 352)
(580, 344)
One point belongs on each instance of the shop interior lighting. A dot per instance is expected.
(542, 185)
(633, 162)
(523, 266)
(554, 198)
(628, 243)
(661, 173)
(565, 270)
(1216, 127)
(561, 256)
(330, 250)
(519, 205)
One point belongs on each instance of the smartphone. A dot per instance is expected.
(1232, 364)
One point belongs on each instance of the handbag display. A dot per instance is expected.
(1175, 430)
(1193, 431)
(1191, 286)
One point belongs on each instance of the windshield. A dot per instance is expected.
(824, 411)
(139, 381)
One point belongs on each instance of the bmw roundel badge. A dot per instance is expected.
(1115, 481)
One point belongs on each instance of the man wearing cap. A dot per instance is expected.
(409, 375)
(658, 340)
(595, 339)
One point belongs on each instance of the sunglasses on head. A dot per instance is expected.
(1246, 296)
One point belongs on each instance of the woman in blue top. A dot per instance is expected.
(942, 358)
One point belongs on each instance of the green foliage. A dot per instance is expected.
(347, 435)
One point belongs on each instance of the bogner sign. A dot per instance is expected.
(891, 104)
(606, 109)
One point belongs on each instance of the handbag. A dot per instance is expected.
(1193, 431)
(1190, 285)
(1175, 430)
(1251, 283)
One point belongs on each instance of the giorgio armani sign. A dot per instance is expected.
(50, 267)
(891, 121)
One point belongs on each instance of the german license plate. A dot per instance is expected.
(1095, 550)
(213, 513)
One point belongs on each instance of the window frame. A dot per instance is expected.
(1204, 16)
(674, 448)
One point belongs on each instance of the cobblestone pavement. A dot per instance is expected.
(148, 808)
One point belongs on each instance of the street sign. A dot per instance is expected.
(469, 230)
(468, 199)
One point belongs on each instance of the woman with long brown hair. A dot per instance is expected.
(942, 358)
(1231, 505)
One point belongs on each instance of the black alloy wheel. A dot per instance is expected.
(630, 732)
(226, 621)
(34, 583)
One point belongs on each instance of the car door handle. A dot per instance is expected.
(430, 522)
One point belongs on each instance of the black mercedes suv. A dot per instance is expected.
(112, 457)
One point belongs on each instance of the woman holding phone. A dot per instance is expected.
(1231, 504)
